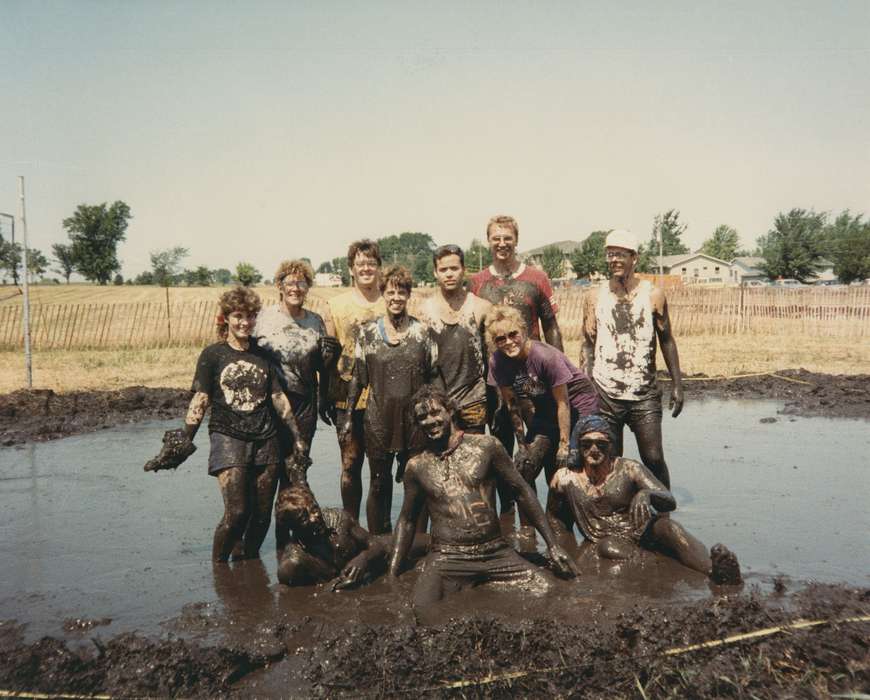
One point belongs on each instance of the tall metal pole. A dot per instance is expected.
(22, 219)
(661, 267)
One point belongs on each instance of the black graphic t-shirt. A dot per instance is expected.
(239, 384)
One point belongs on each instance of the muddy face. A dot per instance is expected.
(449, 272)
(240, 324)
(503, 244)
(620, 261)
(294, 289)
(433, 419)
(595, 448)
(365, 270)
(396, 300)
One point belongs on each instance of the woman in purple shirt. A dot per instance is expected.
(559, 393)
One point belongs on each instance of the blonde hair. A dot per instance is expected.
(502, 315)
(294, 267)
(506, 222)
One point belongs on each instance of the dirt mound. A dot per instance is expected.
(639, 651)
(42, 414)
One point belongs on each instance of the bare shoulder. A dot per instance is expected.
(480, 307)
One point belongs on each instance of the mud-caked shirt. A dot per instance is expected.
(239, 384)
(393, 372)
(528, 290)
(603, 510)
(538, 374)
(292, 344)
(625, 343)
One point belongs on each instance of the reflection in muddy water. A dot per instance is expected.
(86, 534)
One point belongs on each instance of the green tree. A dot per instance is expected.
(200, 277)
(247, 275)
(477, 256)
(146, 277)
(325, 268)
(552, 261)
(411, 249)
(64, 256)
(222, 276)
(165, 264)
(339, 267)
(37, 263)
(95, 231)
(794, 246)
(669, 227)
(723, 244)
(848, 245)
(119, 280)
(589, 257)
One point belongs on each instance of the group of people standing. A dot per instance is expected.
(418, 394)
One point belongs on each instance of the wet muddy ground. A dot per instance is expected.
(107, 587)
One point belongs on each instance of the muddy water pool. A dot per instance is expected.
(86, 535)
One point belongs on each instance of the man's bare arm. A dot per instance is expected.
(285, 412)
(510, 401)
(563, 416)
(668, 345)
(552, 334)
(405, 525)
(559, 514)
(590, 332)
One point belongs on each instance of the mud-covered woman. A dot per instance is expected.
(559, 392)
(395, 355)
(240, 384)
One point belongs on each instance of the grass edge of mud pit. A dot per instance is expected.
(41, 414)
(625, 654)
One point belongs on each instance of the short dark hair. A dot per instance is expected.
(399, 275)
(428, 392)
(366, 246)
(444, 250)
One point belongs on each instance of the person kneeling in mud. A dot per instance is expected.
(240, 384)
(325, 543)
(615, 503)
(455, 477)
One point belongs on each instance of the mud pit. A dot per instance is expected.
(112, 564)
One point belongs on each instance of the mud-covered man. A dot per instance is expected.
(325, 544)
(622, 320)
(346, 314)
(615, 503)
(455, 318)
(239, 383)
(455, 477)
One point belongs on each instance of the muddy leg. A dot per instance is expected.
(299, 568)
(649, 444)
(380, 497)
(501, 428)
(260, 499)
(686, 548)
(540, 449)
(352, 456)
(233, 485)
(615, 548)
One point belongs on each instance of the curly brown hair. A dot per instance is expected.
(236, 299)
(366, 246)
(505, 221)
(399, 275)
(294, 267)
(293, 501)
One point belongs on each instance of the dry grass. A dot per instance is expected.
(173, 367)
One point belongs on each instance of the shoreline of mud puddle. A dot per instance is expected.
(38, 415)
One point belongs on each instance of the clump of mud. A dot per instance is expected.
(641, 650)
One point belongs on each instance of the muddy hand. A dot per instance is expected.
(675, 405)
(640, 509)
(563, 563)
(350, 577)
(562, 456)
(300, 454)
(177, 447)
(330, 349)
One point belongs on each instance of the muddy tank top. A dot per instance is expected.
(625, 344)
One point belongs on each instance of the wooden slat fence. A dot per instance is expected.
(841, 312)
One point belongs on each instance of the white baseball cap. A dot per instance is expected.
(620, 238)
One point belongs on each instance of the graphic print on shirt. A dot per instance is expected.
(243, 385)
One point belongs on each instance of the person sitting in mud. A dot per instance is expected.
(615, 503)
(395, 355)
(296, 340)
(325, 544)
(237, 380)
(455, 477)
(559, 392)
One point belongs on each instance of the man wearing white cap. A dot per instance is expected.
(622, 321)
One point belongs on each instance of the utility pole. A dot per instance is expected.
(661, 266)
(22, 219)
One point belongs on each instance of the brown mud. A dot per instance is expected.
(42, 414)
(635, 652)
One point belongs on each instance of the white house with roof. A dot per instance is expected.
(746, 269)
(695, 268)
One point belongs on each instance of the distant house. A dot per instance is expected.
(567, 248)
(327, 279)
(746, 269)
(694, 268)
(825, 271)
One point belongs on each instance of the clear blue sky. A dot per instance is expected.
(262, 130)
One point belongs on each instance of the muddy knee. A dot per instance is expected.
(291, 569)
(725, 569)
(614, 548)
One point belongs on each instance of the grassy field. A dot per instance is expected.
(173, 367)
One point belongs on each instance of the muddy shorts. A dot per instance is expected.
(450, 568)
(472, 417)
(619, 412)
(228, 452)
